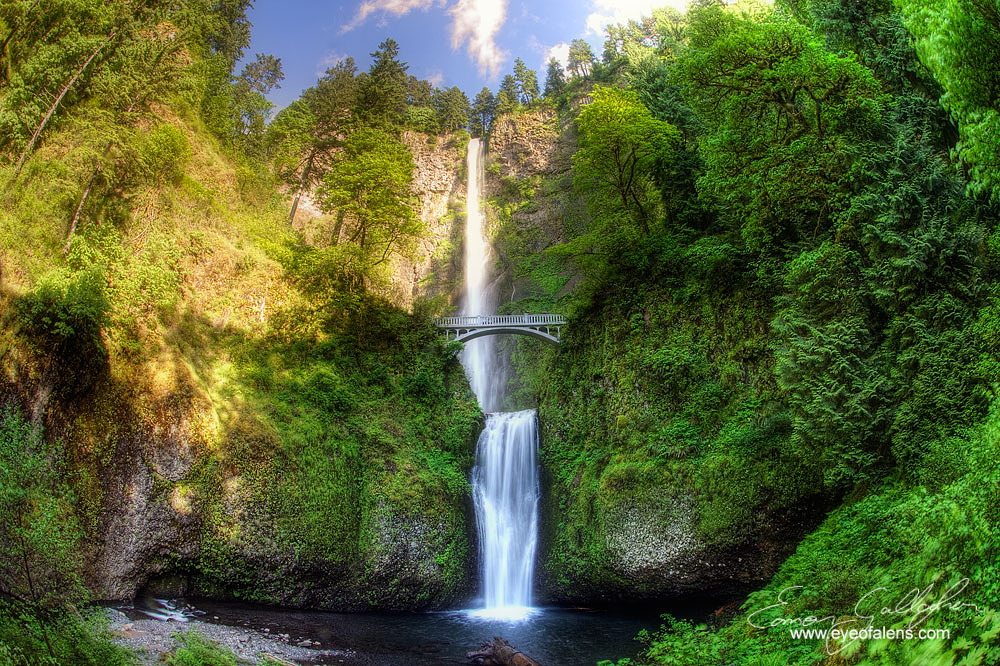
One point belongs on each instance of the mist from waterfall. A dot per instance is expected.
(505, 476)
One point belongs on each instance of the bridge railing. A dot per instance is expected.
(500, 320)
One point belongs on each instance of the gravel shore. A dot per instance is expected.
(152, 639)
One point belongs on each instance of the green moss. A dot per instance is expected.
(324, 443)
(893, 539)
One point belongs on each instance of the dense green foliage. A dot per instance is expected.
(39, 532)
(891, 542)
(778, 254)
(27, 640)
(40, 573)
(808, 319)
(958, 41)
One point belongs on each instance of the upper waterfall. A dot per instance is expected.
(484, 369)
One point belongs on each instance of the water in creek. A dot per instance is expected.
(555, 637)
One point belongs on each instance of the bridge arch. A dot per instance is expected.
(510, 330)
(547, 327)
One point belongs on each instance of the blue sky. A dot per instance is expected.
(464, 43)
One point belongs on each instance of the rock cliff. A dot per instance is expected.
(616, 528)
(439, 186)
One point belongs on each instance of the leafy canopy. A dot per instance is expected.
(620, 145)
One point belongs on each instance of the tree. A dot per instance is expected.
(452, 109)
(555, 80)
(250, 106)
(507, 96)
(333, 99)
(527, 83)
(224, 30)
(383, 91)
(304, 135)
(49, 55)
(294, 146)
(484, 107)
(786, 119)
(228, 30)
(418, 91)
(368, 189)
(620, 145)
(581, 58)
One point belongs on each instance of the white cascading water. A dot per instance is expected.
(505, 476)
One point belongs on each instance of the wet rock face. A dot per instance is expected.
(405, 564)
(658, 551)
(154, 544)
(642, 547)
(644, 552)
(148, 519)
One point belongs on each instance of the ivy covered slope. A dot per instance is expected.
(228, 409)
(782, 302)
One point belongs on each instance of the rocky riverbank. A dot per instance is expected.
(153, 639)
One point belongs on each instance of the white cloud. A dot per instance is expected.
(604, 12)
(560, 52)
(328, 61)
(476, 24)
(397, 7)
(435, 79)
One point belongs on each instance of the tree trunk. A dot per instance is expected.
(55, 104)
(338, 230)
(302, 185)
(31, 589)
(79, 210)
(500, 653)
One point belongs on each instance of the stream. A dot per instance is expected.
(553, 636)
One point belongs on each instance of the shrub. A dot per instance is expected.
(196, 650)
(39, 533)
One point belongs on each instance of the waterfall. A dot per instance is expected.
(480, 359)
(505, 476)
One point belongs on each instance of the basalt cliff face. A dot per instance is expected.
(529, 186)
(225, 447)
(439, 187)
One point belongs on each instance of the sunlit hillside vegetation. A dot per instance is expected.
(255, 399)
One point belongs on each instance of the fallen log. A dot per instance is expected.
(500, 653)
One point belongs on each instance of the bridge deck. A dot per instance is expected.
(500, 320)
